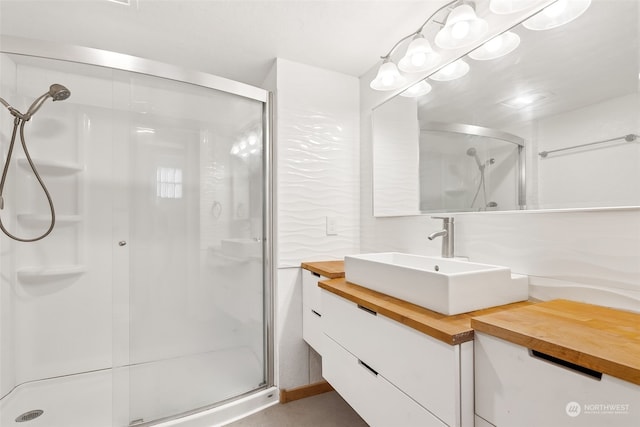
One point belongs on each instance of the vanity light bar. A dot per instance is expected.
(463, 27)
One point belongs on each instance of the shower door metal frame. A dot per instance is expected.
(123, 62)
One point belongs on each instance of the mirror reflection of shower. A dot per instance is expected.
(482, 184)
(56, 92)
(465, 168)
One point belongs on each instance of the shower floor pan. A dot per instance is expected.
(108, 398)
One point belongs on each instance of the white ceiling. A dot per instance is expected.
(234, 39)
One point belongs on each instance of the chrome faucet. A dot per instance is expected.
(447, 236)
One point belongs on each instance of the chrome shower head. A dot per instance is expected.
(56, 91)
(474, 153)
(59, 92)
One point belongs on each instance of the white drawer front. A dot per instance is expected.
(426, 369)
(514, 388)
(310, 290)
(377, 401)
(312, 328)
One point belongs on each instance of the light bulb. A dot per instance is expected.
(387, 80)
(418, 89)
(494, 44)
(418, 59)
(496, 47)
(556, 9)
(420, 56)
(452, 71)
(503, 7)
(460, 30)
(388, 77)
(463, 27)
(557, 14)
(449, 69)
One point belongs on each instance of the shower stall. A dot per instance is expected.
(150, 302)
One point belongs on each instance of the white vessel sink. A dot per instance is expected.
(447, 286)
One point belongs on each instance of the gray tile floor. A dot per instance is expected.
(323, 410)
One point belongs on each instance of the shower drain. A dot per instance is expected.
(28, 416)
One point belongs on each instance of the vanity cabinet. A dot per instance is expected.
(312, 273)
(558, 363)
(312, 310)
(392, 374)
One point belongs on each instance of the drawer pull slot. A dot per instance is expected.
(572, 366)
(316, 313)
(367, 367)
(315, 274)
(368, 310)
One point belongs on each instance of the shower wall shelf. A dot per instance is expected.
(33, 274)
(39, 219)
(52, 167)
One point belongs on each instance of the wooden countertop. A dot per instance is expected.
(450, 329)
(330, 269)
(599, 338)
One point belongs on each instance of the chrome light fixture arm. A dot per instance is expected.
(419, 30)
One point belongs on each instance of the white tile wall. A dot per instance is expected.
(317, 163)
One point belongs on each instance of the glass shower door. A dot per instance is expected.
(189, 222)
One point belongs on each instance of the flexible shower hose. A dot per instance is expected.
(481, 184)
(20, 123)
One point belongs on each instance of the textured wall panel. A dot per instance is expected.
(317, 159)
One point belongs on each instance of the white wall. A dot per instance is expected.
(397, 179)
(608, 174)
(317, 168)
